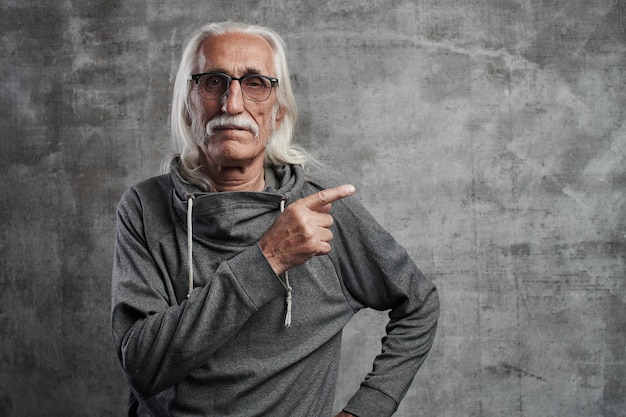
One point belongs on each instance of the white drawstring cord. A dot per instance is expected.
(287, 286)
(288, 301)
(190, 242)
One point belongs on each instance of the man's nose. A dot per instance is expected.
(232, 101)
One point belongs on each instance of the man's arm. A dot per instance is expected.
(158, 340)
(378, 273)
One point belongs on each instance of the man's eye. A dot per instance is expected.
(214, 81)
(255, 82)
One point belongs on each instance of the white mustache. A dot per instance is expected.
(238, 121)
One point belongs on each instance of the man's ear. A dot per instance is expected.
(280, 115)
(187, 109)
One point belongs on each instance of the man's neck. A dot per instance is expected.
(236, 179)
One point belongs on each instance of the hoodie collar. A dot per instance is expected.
(285, 180)
(233, 218)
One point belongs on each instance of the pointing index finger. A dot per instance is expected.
(322, 198)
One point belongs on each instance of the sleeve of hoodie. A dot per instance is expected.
(378, 273)
(159, 341)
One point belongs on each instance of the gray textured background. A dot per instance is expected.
(487, 135)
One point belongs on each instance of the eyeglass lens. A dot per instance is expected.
(214, 86)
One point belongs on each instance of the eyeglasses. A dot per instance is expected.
(213, 85)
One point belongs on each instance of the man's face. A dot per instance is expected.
(229, 146)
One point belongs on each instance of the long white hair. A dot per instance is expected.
(279, 150)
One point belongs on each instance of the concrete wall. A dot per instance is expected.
(487, 135)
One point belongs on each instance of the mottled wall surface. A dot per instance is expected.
(487, 135)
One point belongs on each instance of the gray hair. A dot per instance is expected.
(279, 150)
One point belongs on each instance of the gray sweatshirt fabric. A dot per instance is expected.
(224, 351)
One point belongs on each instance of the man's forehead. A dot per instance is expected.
(241, 52)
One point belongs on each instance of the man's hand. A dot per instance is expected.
(302, 230)
(344, 414)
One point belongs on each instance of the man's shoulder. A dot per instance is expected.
(151, 188)
(158, 182)
(322, 178)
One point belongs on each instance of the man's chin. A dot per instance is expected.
(235, 158)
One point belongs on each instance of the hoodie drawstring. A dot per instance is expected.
(286, 285)
(190, 242)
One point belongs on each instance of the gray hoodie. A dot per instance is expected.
(222, 349)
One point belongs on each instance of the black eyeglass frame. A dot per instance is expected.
(196, 78)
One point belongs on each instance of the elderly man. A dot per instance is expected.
(233, 277)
